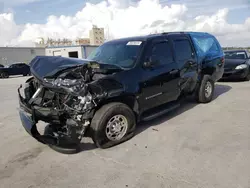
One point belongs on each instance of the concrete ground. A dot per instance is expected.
(205, 146)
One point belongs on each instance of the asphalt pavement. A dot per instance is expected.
(197, 145)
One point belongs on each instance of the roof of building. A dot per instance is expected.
(15, 47)
(87, 45)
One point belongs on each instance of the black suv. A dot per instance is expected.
(15, 69)
(121, 83)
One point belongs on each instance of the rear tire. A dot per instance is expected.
(205, 91)
(112, 124)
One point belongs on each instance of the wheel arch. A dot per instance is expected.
(129, 100)
(211, 71)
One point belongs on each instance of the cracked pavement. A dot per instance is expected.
(197, 145)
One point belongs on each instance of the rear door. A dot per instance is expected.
(23, 69)
(185, 57)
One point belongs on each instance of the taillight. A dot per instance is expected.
(222, 60)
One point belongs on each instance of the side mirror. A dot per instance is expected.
(148, 64)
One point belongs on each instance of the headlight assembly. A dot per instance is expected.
(243, 66)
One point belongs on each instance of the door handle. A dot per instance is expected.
(173, 71)
(191, 63)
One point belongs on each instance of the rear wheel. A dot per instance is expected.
(205, 90)
(112, 124)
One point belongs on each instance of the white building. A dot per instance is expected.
(80, 51)
(9, 55)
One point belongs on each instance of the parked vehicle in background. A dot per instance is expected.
(122, 82)
(15, 69)
(237, 64)
(1, 66)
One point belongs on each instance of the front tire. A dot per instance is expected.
(247, 78)
(4, 75)
(63, 146)
(205, 90)
(112, 124)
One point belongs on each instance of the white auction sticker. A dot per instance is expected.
(137, 43)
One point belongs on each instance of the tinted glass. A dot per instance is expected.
(161, 53)
(235, 55)
(120, 53)
(206, 45)
(183, 49)
(13, 66)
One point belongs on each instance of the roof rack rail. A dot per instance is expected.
(174, 32)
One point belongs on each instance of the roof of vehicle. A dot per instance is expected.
(150, 36)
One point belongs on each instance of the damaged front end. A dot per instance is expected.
(60, 94)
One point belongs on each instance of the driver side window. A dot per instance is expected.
(161, 53)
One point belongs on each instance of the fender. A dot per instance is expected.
(113, 91)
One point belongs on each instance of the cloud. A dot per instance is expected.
(10, 3)
(125, 18)
(8, 29)
(197, 7)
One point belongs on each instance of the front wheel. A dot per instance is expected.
(4, 75)
(205, 90)
(247, 78)
(112, 124)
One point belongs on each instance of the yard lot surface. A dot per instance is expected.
(198, 145)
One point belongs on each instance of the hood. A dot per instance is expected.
(230, 63)
(49, 66)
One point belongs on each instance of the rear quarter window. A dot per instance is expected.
(206, 45)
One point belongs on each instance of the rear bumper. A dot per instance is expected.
(218, 74)
(28, 120)
(235, 74)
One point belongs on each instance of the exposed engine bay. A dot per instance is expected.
(66, 99)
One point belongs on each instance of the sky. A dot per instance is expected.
(23, 21)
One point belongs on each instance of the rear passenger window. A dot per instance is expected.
(183, 50)
(161, 53)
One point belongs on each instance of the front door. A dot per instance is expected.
(13, 69)
(160, 82)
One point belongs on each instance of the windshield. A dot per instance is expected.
(121, 53)
(235, 55)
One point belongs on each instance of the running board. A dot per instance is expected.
(160, 111)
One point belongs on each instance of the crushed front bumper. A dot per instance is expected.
(28, 119)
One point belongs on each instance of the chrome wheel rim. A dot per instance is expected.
(208, 89)
(116, 127)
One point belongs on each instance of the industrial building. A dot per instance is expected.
(10, 55)
(80, 51)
